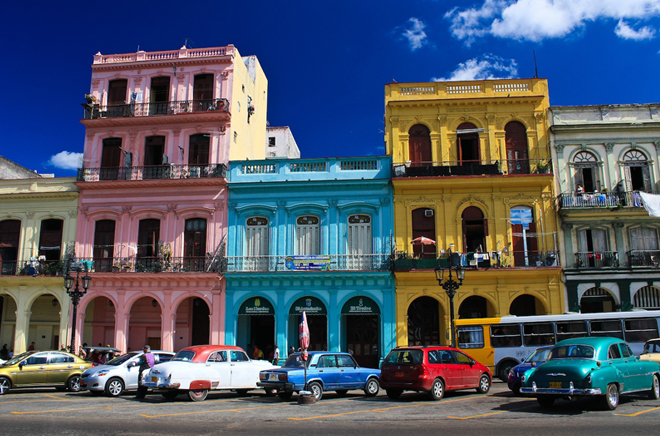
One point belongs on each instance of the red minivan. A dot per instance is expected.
(432, 369)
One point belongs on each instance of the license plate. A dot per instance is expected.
(555, 385)
(398, 374)
(154, 379)
(272, 377)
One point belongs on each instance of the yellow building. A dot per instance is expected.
(472, 173)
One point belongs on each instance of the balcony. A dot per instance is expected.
(511, 259)
(29, 267)
(156, 264)
(96, 111)
(334, 262)
(644, 258)
(600, 200)
(161, 172)
(597, 259)
(472, 168)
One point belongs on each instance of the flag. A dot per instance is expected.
(303, 332)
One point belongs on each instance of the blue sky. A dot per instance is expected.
(326, 61)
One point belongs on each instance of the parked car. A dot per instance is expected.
(326, 371)
(198, 369)
(651, 350)
(119, 374)
(432, 369)
(42, 368)
(594, 367)
(538, 356)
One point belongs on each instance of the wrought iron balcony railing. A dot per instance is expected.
(597, 259)
(152, 264)
(472, 168)
(511, 259)
(96, 111)
(600, 200)
(31, 267)
(333, 262)
(644, 258)
(162, 172)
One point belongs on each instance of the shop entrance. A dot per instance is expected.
(361, 322)
(256, 325)
(317, 321)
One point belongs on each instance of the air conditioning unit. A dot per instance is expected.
(428, 212)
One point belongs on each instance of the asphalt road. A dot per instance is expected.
(41, 412)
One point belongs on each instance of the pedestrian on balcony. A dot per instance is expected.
(579, 190)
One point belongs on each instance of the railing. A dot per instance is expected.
(600, 200)
(94, 111)
(597, 259)
(30, 267)
(334, 262)
(522, 259)
(169, 171)
(155, 264)
(472, 168)
(644, 258)
(468, 89)
(142, 56)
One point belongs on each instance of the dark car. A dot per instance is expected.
(538, 356)
(432, 369)
(326, 371)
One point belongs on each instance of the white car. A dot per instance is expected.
(198, 369)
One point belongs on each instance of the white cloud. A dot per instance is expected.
(536, 20)
(66, 160)
(624, 31)
(488, 66)
(415, 34)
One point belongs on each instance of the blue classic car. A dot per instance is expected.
(592, 366)
(538, 356)
(326, 371)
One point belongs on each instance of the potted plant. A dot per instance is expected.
(543, 166)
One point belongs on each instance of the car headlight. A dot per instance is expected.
(101, 373)
(263, 376)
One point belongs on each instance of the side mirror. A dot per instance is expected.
(21, 365)
(472, 362)
(132, 364)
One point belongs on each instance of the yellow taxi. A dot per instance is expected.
(42, 369)
(651, 350)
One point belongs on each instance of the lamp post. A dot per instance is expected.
(75, 294)
(451, 286)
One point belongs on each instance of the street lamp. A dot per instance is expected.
(76, 294)
(451, 286)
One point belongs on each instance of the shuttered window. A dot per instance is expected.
(256, 241)
(307, 235)
(359, 242)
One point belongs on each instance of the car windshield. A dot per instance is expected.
(293, 361)
(405, 357)
(14, 360)
(652, 347)
(540, 355)
(184, 356)
(573, 352)
(121, 359)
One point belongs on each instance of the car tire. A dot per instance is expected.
(114, 387)
(170, 395)
(242, 392)
(6, 384)
(285, 395)
(316, 389)
(654, 393)
(198, 395)
(611, 398)
(545, 401)
(393, 394)
(73, 384)
(372, 387)
(504, 368)
(484, 384)
(437, 390)
(341, 392)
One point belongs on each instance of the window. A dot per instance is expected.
(636, 170)
(419, 146)
(515, 136)
(423, 226)
(198, 151)
(346, 361)
(405, 357)
(194, 244)
(110, 159)
(571, 329)
(470, 337)
(625, 350)
(538, 334)
(641, 330)
(610, 328)
(474, 230)
(238, 356)
(647, 297)
(614, 352)
(203, 92)
(307, 235)
(586, 170)
(148, 236)
(154, 158)
(117, 92)
(159, 96)
(467, 139)
(104, 245)
(523, 232)
(327, 362)
(271, 141)
(593, 246)
(218, 356)
(461, 358)
(359, 242)
(10, 232)
(256, 244)
(505, 335)
(50, 239)
(61, 358)
(37, 359)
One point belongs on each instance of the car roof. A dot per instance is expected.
(594, 341)
(424, 347)
(202, 351)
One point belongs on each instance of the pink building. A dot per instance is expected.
(152, 221)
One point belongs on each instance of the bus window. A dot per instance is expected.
(538, 334)
(641, 330)
(505, 335)
(571, 329)
(611, 328)
(470, 336)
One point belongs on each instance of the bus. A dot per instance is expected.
(502, 343)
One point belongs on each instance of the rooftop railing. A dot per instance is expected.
(467, 89)
(96, 111)
(161, 172)
(182, 53)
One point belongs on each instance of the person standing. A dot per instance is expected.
(4, 353)
(276, 354)
(31, 347)
(146, 362)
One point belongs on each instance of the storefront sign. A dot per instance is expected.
(360, 306)
(307, 263)
(311, 305)
(256, 306)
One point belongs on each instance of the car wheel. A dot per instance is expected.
(437, 390)
(516, 390)
(611, 398)
(170, 395)
(341, 392)
(393, 394)
(654, 393)
(545, 401)
(503, 371)
(285, 395)
(5, 385)
(316, 389)
(198, 395)
(484, 384)
(73, 384)
(242, 392)
(114, 387)
(372, 387)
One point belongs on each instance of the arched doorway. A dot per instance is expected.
(523, 236)
(474, 230)
(424, 322)
(515, 136)
(317, 319)
(99, 325)
(636, 170)
(526, 305)
(423, 225)
(192, 323)
(44, 327)
(256, 325)
(467, 138)
(144, 325)
(361, 322)
(7, 321)
(596, 300)
(648, 298)
(419, 146)
(475, 307)
(586, 171)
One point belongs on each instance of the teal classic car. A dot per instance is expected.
(592, 366)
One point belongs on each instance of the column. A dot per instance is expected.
(620, 245)
(167, 323)
(334, 321)
(121, 322)
(568, 242)
(217, 315)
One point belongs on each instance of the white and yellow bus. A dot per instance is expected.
(502, 343)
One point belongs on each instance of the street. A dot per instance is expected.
(38, 412)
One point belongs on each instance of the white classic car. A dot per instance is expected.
(198, 369)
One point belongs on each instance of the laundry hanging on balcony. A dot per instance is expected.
(651, 203)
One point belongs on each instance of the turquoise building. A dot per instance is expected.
(313, 235)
